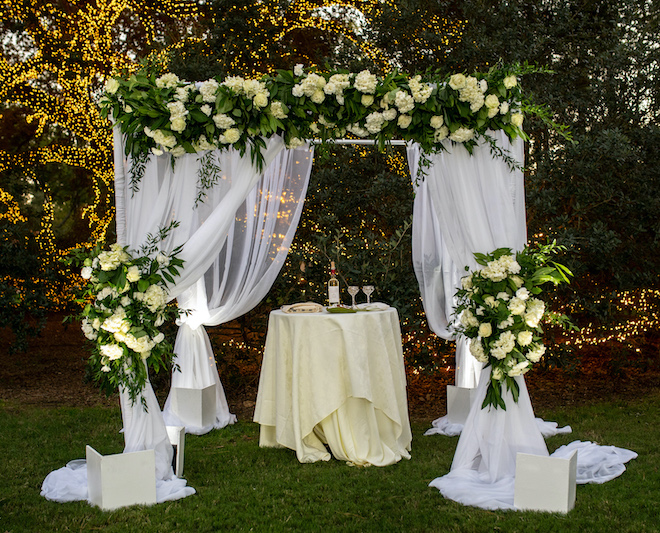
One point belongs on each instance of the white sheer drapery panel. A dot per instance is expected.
(241, 274)
(466, 203)
(167, 194)
(484, 467)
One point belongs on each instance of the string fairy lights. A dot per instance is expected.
(65, 50)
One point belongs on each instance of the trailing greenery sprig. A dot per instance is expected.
(500, 310)
(125, 300)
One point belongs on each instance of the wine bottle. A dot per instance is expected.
(333, 287)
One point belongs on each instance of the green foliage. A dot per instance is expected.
(24, 300)
(243, 487)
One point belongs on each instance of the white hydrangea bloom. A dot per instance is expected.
(111, 351)
(462, 135)
(167, 81)
(365, 82)
(525, 338)
(223, 121)
(477, 350)
(279, 110)
(518, 369)
(208, 90)
(516, 306)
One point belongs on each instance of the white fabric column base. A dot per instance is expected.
(197, 370)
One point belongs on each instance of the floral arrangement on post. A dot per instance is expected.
(500, 310)
(125, 300)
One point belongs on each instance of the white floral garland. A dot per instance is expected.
(164, 114)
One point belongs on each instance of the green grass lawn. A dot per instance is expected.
(243, 487)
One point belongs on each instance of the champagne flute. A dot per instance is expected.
(353, 290)
(368, 289)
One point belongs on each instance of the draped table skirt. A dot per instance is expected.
(335, 379)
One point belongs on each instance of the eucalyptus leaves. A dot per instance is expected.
(501, 311)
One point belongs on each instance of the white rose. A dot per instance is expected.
(156, 151)
(485, 330)
(503, 296)
(260, 100)
(367, 100)
(86, 272)
(298, 70)
(178, 124)
(158, 338)
(517, 119)
(457, 81)
(510, 82)
(111, 86)
(162, 260)
(497, 374)
(206, 109)
(133, 274)
(404, 121)
(492, 101)
(231, 136)
(437, 122)
(504, 108)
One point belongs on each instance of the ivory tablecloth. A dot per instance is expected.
(337, 379)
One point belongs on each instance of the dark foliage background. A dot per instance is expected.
(598, 196)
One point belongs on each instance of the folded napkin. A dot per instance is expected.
(373, 306)
(303, 307)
